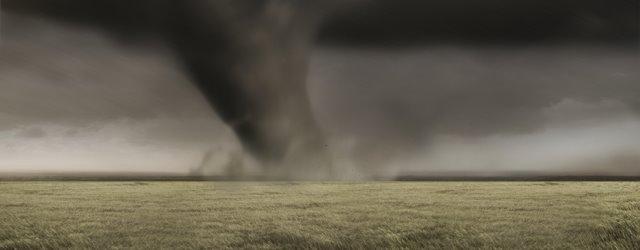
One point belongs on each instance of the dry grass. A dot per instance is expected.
(437, 215)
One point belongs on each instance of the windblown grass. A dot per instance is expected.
(415, 215)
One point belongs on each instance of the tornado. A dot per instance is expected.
(250, 58)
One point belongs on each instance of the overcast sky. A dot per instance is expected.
(73, 99)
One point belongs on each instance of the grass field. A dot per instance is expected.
(449, 215)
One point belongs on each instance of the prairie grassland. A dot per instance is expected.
(325, 215)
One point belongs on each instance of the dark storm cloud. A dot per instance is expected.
(493, 78)
(492, 22)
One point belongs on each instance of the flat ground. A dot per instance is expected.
(182, 214)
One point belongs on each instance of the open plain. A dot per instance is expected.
(325, 215)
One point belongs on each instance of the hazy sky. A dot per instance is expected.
(73, 99)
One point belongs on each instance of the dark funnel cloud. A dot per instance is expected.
(379, 87)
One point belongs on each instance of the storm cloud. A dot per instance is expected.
(76, 99)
